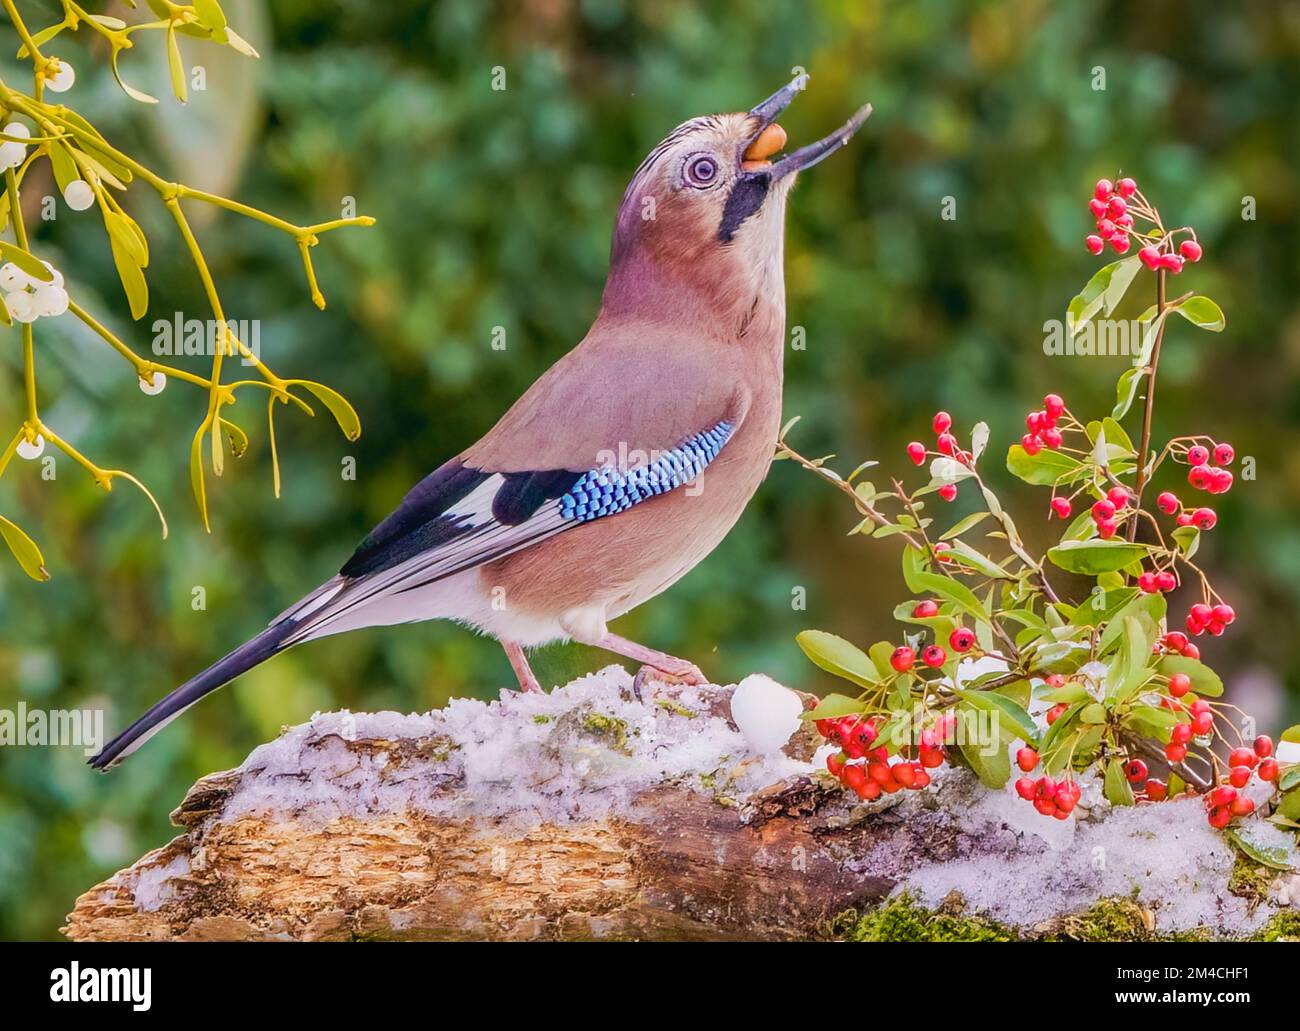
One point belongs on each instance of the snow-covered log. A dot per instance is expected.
(589, 813)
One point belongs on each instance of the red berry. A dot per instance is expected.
(939, 548)
(1224, 454)
(1175, 641)
(1149, 256)
(1191, 651)
(1180, 734)
(948, 491)
(933, 655)
(1200, 613)
(1107, 528)
(1224, 794)
(1055, 712)
(854, 776)
(1054, 406)
(1204, 519)
(1199, 477)
(941, 422)
(947, 443)
(1147, 583)
(1263, 746)
(1167, 503)
(1220, 480)
(1220, 818)
(1118, 496)
(1172, 262)
(1197, 455)
(1191, 250)
(1031, 444)
(1117, 206)
(1135, 771)
(1224, 614)
(1025, 788)
(1243, 757)
(1157, 790)
(1097, 207)
(1095, 244)
(1102, 511)
(962, 639)
(1026, 758)
(1061, 506)
(835, 763)
(1243, 806)
(1034, 422)
(1166, 581)
(1052, 437)
(916, 452)
(1120, 241)
(1203, 722)
(925, 609)
(1175, 753)
(1126, 187)
(1239, 776)
(905, 774)
(903, 659)
(1268, 770)
(1179, 684)
(1103, 189)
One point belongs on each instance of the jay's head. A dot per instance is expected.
(707, 204)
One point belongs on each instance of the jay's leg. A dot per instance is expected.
(519, 663)
(686, 672)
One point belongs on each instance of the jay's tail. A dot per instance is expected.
(245, 657)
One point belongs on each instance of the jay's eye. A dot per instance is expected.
(701, 171)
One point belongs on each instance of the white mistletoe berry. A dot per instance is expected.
(78, 195)
(63, 78)
(30, 449)
(50, 300)
(18, 129)
(155, 383)
(12, 154)
(766, 713)
(21, 306)
(56, 276)
(13, 278)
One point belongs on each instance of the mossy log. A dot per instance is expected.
(625, 820)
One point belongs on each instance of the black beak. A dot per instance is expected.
(767, 112)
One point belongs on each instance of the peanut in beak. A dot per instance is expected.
(766, 143)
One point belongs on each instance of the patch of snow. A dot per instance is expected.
(581, 751)
(153, 884)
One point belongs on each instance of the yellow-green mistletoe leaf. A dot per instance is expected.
(24, 549)
(344, 414)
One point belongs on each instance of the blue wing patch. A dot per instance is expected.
(607, 490)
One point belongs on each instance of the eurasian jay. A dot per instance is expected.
(626, 463)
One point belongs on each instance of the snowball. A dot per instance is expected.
(155, 383)
(766, 713)
(78, 195)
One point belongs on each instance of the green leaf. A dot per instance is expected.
(1093, 713)
(242, 45)
(1116, 435)
(1149, 609)
(176, 66)
(1129, 670)
(838, 656)
(64, 167)
(1188, 539)
(881, 652)
(1102, 606)
(968, 556)
(1003, 709)
(833, 706)
(24, 550)
(951, 590)
(964, 524)
(1149, 721)
(1117, 789)
(132, 276)
(1203, 312)
(1289, 807)
(210, 14)
(1272, 857)
(1205, 681)
(915, 563)
(1126, 389)
(343, 412)
(1047, 468)
(135, 94)
(1102, 293)
(993, 769)
(1095, 556)
(1292, 734)
(196, 476)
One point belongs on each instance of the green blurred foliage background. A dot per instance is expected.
(495, 209)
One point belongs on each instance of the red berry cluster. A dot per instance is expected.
(945, 444)
(1226, 801)
(1056, 798)
(1042, 426)
(1213, 479)
(865, 768)
(1176, 643)
(1114, 205)
(1107, 513)
(1214, 618)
